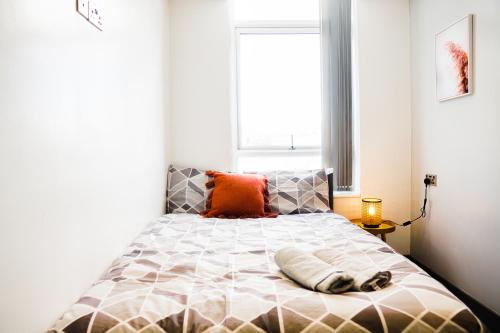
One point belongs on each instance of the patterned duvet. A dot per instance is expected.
(185, 274)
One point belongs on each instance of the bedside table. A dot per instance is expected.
(385, 228)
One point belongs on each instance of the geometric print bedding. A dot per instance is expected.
(290, 192)
(298, 192)
(186, 191)
(186, 273)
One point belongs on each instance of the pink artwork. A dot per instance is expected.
(453, 60)
(461, 59)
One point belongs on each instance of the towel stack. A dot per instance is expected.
(329, 271)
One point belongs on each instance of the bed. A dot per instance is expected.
(186, 273)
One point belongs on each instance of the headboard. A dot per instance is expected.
(331, 186)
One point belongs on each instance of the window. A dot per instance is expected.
(278, 84)
(279, 99)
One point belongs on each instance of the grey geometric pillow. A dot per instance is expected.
(298, 192)
(186, 191)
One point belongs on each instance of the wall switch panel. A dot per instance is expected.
(95, 13)
(82, 7)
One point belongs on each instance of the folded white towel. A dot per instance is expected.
(366, 275)
(312, 272)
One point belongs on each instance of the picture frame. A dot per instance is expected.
(454, 59)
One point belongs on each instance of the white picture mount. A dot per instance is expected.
(91, 10)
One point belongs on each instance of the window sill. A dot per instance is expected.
(350, 194)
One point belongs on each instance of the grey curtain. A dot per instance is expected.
(337, 140)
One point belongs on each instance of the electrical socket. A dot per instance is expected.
(433, 179)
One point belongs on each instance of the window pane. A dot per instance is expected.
(279, 90)
(270, 10)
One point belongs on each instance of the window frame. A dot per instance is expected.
(295, 24)
(267, 28)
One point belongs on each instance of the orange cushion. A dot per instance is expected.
(237, 196)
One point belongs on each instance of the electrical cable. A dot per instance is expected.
(423, 212)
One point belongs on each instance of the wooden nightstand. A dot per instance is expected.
(385, 228)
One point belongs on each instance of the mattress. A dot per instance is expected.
(185, 274)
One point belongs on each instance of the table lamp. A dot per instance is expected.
(371, 212)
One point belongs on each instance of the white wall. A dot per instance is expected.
(82, 138)
(201, 83)
(459, 141)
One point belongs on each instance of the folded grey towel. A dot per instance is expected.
(311, 272)
(364, 272)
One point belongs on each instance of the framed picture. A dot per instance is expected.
(454, 60)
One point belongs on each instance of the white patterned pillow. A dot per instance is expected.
(298, 192)
(186, 191)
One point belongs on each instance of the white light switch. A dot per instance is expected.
(83, 8)
(95, 13)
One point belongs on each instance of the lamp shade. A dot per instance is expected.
(371, 212)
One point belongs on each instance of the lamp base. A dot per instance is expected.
(374, 226)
